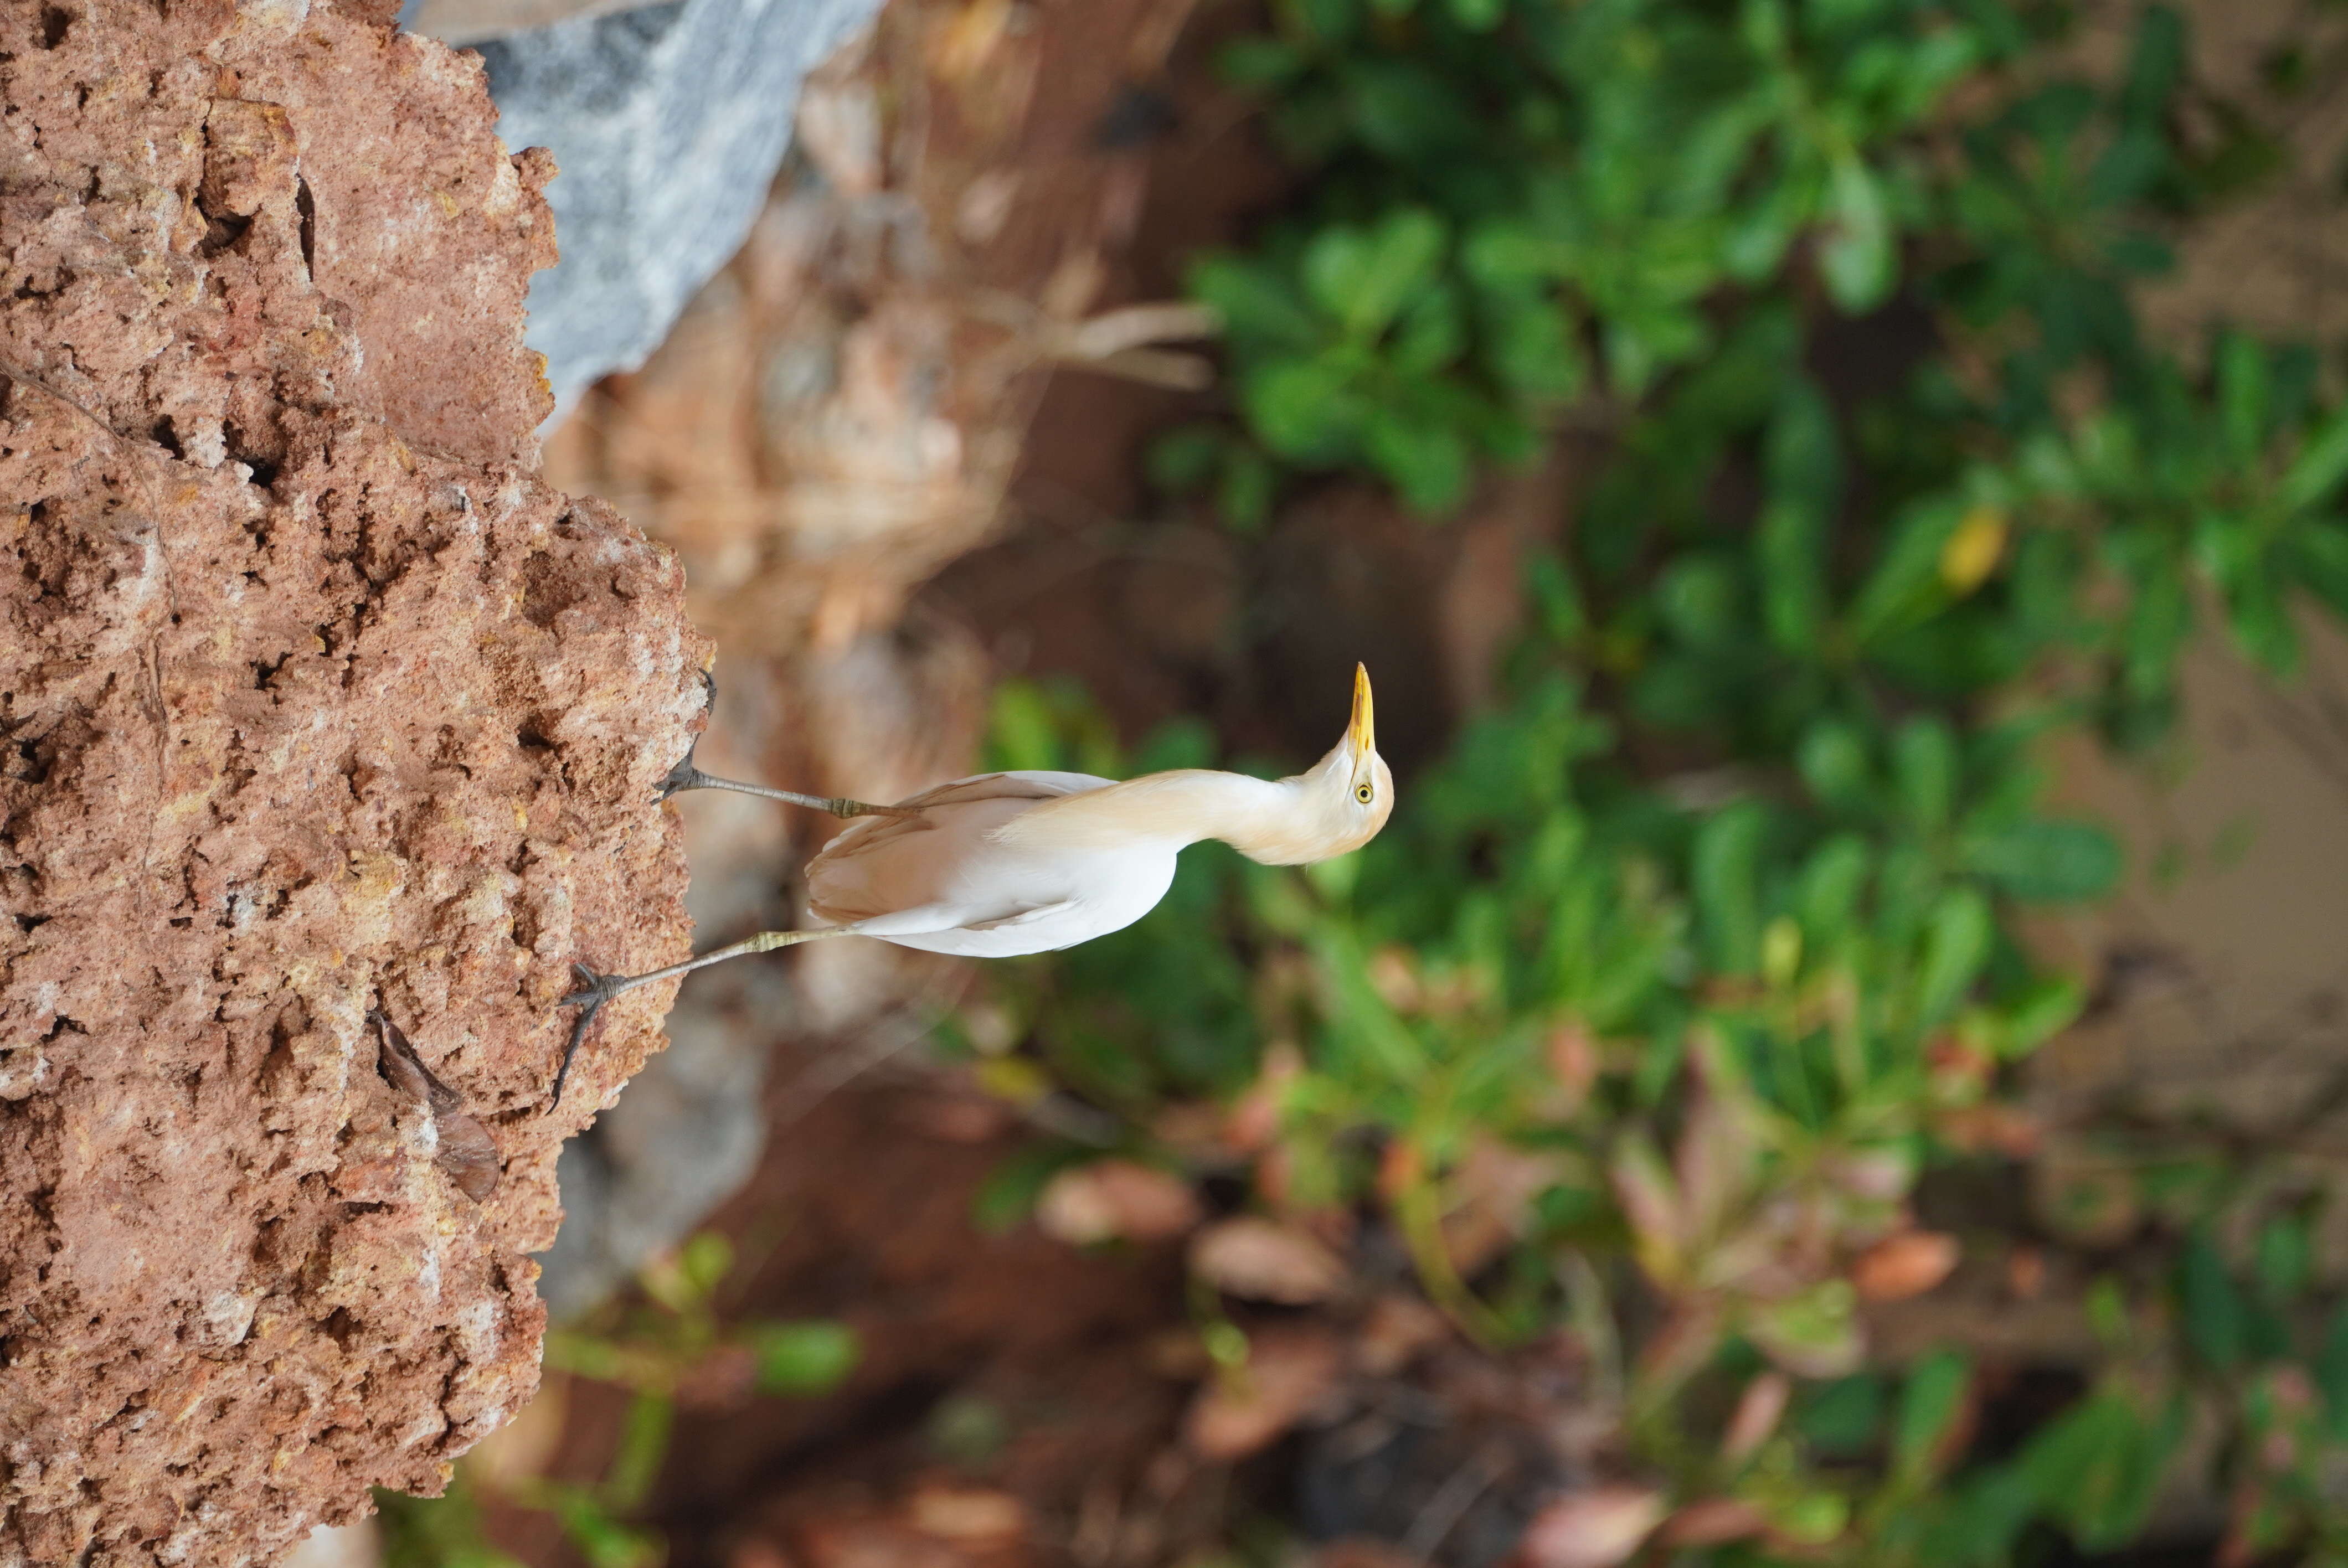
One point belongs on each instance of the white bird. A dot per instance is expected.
(1031, 862)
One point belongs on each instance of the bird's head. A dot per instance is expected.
(1349, 794)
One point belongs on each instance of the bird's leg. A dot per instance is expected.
(685, 776)
(596, 989)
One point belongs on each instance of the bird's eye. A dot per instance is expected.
(1362, 793)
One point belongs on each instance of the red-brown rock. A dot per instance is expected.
(314, 701)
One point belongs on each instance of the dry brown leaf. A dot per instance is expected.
(1714, 1521)
(1289, 1372)
(1906, 1264)
(758, 1553)
(1262, 1260)
(970, 1514)
(869, 1542)
(1115, 1199)
(1573, 1054)
(1397, 1328)
(1758, 1410)
(1492, 1193)
(723, 1379)
(1393, 973)
(2025, 1273)
(1593, 1528)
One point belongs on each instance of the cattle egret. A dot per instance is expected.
(1027, 862)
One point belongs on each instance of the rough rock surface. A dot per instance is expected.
(315, 701)
(671, 121)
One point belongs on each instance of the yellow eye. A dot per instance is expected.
(1364, 794)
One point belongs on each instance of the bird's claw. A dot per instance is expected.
(684, 775)
(595, 991)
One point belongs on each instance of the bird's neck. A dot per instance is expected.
(1264, 820)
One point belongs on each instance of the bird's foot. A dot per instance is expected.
(594, 991)
(684, 775)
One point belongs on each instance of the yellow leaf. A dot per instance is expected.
(1013, 1078)
(1973, 551)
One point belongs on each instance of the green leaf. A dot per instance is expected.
(1906, 585)
(1304, 408)
(1832, 882)
(2156, 63)
(643, 1449)
(2098, 1467)
(1789, 549)
(2321, 464)
(1431, 333)
(1726, 878)
(1260, 64)
(2316, 554)
(805, 1358)
(1361, 1021)
(1534, 346)
(604, 1542)
(2159, 620)
(2043, 1010)
(1802, 459)
(1478, 15)
(1697, 597)
(2048, 861)
(1856, 255)
(1760, 233)
(1924, 765)
(1021, 732)
(1813, 1335)
(1260, 308)
(2256, 615)
(1930, 1404)
(1364, 276)
(704, 1260)
(2245, 393)
(1842, 1416)
(2284, 1258)
(1008, 1195)
(1956, 944)
(2216, 1324)
(1428, 464)
(1186, 458)
(2332, 1374)
(1556, 597)
(1244, 494)
(1832, 760)
(1330, 21)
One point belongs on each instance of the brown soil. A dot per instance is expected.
(316, 702)
(862, 1211)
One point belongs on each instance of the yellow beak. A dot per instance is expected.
(1361, 734)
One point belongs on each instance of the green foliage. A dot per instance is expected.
(1734, 1013)
(802, 1358)
(648, 1347)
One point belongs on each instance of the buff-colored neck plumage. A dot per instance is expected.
(1336, 805)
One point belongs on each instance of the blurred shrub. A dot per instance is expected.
(1726, 1018)
(667, 1346)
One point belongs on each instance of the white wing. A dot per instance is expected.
(883, 866)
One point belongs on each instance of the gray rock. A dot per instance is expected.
(668, 123)
(685, 1135)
